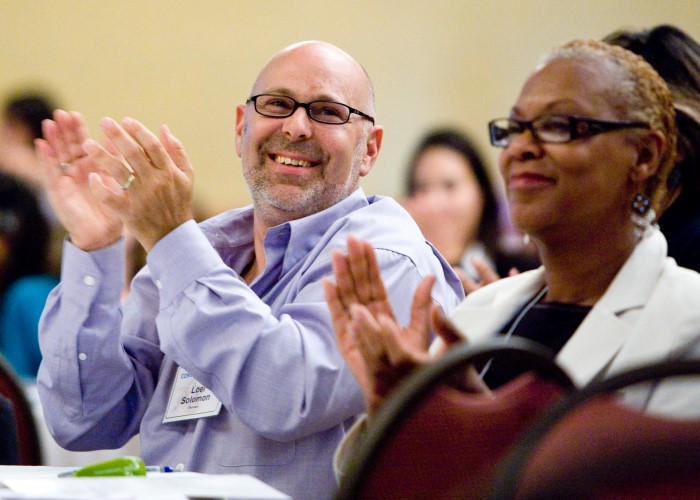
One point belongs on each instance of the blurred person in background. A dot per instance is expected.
(20, 124)
(22, 115)
(25, 281)
(453, 200)
(676, 57)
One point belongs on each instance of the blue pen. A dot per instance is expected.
(164, 468)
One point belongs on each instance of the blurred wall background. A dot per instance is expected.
(187, 63)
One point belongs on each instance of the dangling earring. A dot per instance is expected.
(642, 215)
(526, 239)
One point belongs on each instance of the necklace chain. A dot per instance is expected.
(516, 322)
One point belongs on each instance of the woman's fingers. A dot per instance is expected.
(377, 289)
(445, 329)
(420, 308)
(345, 284)
(358, 267)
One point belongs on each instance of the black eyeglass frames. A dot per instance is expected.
(282, 106)
(556, 129)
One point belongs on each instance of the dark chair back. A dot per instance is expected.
(9, 447)
(431, 440)
(26, 432)
(591, 445)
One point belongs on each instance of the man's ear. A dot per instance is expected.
(374, 144)
(240, 115)
(650, 150)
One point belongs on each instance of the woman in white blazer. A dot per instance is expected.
(587, 150)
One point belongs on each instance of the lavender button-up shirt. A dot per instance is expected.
(267, 350)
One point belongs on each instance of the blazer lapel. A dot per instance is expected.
(496, 304)
(589, 351)
(605, 330)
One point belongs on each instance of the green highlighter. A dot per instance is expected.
(122, 466)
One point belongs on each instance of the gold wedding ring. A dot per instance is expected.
(128, 182)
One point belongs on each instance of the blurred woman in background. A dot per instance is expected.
(25, 281)
(453, 200)
(20, 124)
(676, 57)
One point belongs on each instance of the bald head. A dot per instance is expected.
(322, 65)
(333, 155)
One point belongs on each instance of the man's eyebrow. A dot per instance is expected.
(289, 93)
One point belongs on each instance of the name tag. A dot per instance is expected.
(189, 399)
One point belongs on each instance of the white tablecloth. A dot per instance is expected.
(42, 483)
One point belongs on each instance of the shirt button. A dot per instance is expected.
(89, 280)
(82, 356)
(159, 285)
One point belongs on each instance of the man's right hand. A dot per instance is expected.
(90, 224)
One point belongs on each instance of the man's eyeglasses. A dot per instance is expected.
(556, 129)
(282, 106)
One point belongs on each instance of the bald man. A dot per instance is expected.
(223, 357)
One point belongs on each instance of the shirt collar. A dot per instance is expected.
(298, 237)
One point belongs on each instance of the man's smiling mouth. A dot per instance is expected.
(291, 162)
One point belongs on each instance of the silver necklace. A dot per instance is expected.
(515, 324)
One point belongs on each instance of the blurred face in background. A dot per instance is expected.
(447, 203)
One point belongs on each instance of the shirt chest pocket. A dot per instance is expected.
(253, 450)
(235, 445)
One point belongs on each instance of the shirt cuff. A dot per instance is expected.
(180, 258)
(96, 275)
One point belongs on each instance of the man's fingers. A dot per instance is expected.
(119, 172)
(175, 150)
(48, 159)
(52, 132)
(149, 151)
(75, 133)
(106, 191)
(134, 156)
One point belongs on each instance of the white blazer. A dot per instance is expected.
(651, 311)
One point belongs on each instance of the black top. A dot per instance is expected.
(549, 323)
